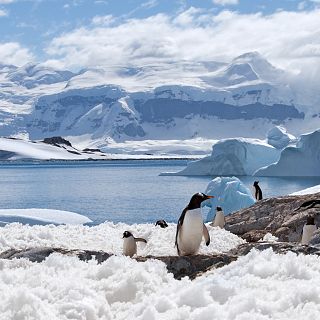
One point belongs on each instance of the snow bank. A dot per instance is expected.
(311, 190)
(279, 138)
(43, 216)
(261, 285)
(230, 194)
(107, 237)
(238, 156)
(302, 160)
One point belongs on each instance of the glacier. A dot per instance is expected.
(245, 97)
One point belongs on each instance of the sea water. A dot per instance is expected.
(129, 191)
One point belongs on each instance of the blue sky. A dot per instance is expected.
(48, 30)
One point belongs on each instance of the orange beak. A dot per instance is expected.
(209, 197)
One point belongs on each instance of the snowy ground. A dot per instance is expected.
(259, 286)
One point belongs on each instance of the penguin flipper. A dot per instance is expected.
(179, 225)
(206, 235)
(140, 239)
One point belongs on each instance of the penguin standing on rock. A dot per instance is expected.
(191, 228)
(219, 220)
(308, 229)
(130, 243)
(258, 191)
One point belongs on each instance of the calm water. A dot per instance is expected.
(126, 191)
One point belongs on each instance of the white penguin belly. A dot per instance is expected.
(191, 232)
(219, 220)
(129, 246)
(307, 233)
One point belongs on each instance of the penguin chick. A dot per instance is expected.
(258, 191)
(161, 223)
(308, 229)
(219, 219)
(190, 227)
(130, 243)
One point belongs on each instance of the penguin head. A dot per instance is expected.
(218, 208)
(197, 199)
(161, 223)
(255, 183)
(127, 234)
(310, 220)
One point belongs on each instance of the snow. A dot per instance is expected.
(108, 237)
(35, 216)
(229, 193)
(279, 138)
(237, 156)
(261, 285)
(311, 190)
(301, 160)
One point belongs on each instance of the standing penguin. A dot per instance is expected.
(191, 228)
(219, 220)
(308, 229)
(129, 243)
(258, 191)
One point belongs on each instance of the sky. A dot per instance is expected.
(72, 34)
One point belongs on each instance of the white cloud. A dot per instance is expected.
(13, 53)
(103, 20)
(286, 38)
(3, 13)
(225, 2)
(6, 1)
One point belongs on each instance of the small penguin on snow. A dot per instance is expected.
(219, 219)
(191, 228)
(161, 223)
(308, 229)
(258, 191)
(130, 243)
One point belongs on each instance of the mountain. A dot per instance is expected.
(178, 100)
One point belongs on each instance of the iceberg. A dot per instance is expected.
(311, 190)
(279, 138)
(301, 160)
(229, 193)
(236, 156)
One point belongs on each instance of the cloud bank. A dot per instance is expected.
(287, 39)
(13, 53)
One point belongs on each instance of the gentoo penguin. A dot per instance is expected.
(161, 223)
(129, 243)
(258, 191)
(219, 220)
(191, 228)
(308, 229)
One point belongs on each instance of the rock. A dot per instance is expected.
(57, 141)
(281, 216)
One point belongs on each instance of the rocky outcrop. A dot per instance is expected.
(283, 217)
(57, 141)
(190, 266)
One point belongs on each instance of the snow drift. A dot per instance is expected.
(302, 160)
(230, 194)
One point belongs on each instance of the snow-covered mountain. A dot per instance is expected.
(181, 100)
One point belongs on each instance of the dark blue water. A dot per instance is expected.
(127, 191)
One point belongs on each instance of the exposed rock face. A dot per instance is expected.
(278, 216)
(57, 141)
(190, 266)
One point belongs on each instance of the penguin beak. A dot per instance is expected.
(209, 197)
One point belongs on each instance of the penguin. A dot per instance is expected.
(219, 220)
(190, 227)
(129, 243)
(308, 229)
(258, 191)
(161, 223)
